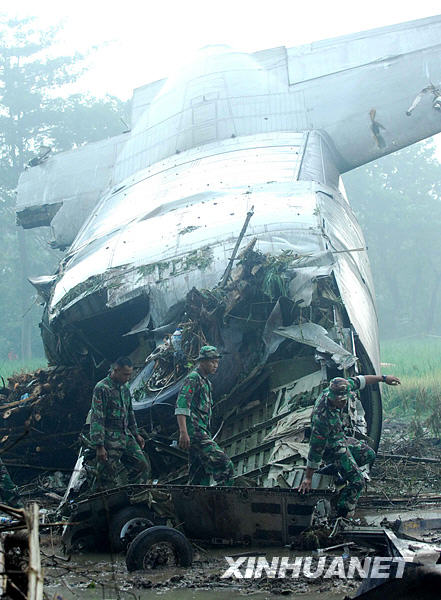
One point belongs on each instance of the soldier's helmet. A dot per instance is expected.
(208, 352)
(338, 385)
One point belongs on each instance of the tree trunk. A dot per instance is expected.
(26, 326)
(432, 306)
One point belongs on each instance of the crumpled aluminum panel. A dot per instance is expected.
(315, 335)
(141, 237)
(352, 270)
(201, 201)
(72, 182)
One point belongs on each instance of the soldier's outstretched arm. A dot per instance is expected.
(387, 379)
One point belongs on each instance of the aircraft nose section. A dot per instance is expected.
(216, 96)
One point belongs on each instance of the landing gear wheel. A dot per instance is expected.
(121, 519)
(159, 546)
(131, 529)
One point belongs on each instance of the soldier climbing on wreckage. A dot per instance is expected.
(114, 432)
(329, 441)
(193, 412)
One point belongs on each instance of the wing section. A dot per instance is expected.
(373, 92)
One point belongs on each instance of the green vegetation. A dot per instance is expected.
(417, 362)
(397, 200)
(276, 281)
(12, 367)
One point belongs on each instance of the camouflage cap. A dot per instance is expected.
(338, 386)
(208, 352)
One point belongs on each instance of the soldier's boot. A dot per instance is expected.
(110, 474)
(350, 494)
(224, 476)
(139, 469)
(196, 471)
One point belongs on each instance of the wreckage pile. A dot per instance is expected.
(263, 302)
(282, 330)
(408, 462)
(41, 415)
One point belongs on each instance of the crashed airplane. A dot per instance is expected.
(220, 218)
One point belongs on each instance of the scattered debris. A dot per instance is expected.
(430, 89)
(21, 574)
(376, 128)
(43, 410)
(408, 466)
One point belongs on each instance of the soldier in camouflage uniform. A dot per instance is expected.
(9, 493)
(113, 430)
(193, 411)
(329, 441)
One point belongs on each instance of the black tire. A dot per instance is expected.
(141, 552)
(119, 519)
(131, 529)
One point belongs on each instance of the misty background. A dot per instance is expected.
(396, 199)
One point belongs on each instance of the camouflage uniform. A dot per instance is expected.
(205, 457)
(9, 493)
(329, 442)
(113, 425)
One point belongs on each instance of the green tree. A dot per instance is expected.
(31, 114)
(398, 202)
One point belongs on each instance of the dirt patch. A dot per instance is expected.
(106, 572)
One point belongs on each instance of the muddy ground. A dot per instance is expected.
(394, 477)
(104, 576)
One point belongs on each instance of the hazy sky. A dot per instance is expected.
(141, 41)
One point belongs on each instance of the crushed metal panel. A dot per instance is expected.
(63, 189)
(259, 516)
(320, 160)
(352, 272)
(116, 235)
(296, 421)
(317, 336)
(266, 431)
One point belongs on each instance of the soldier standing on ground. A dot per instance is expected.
(328, 439)
(114, 432)
(193, 411)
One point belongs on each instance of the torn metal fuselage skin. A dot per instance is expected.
(331, 318)
(167, 203)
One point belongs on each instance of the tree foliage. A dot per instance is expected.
(398, 202)
(33, 112)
